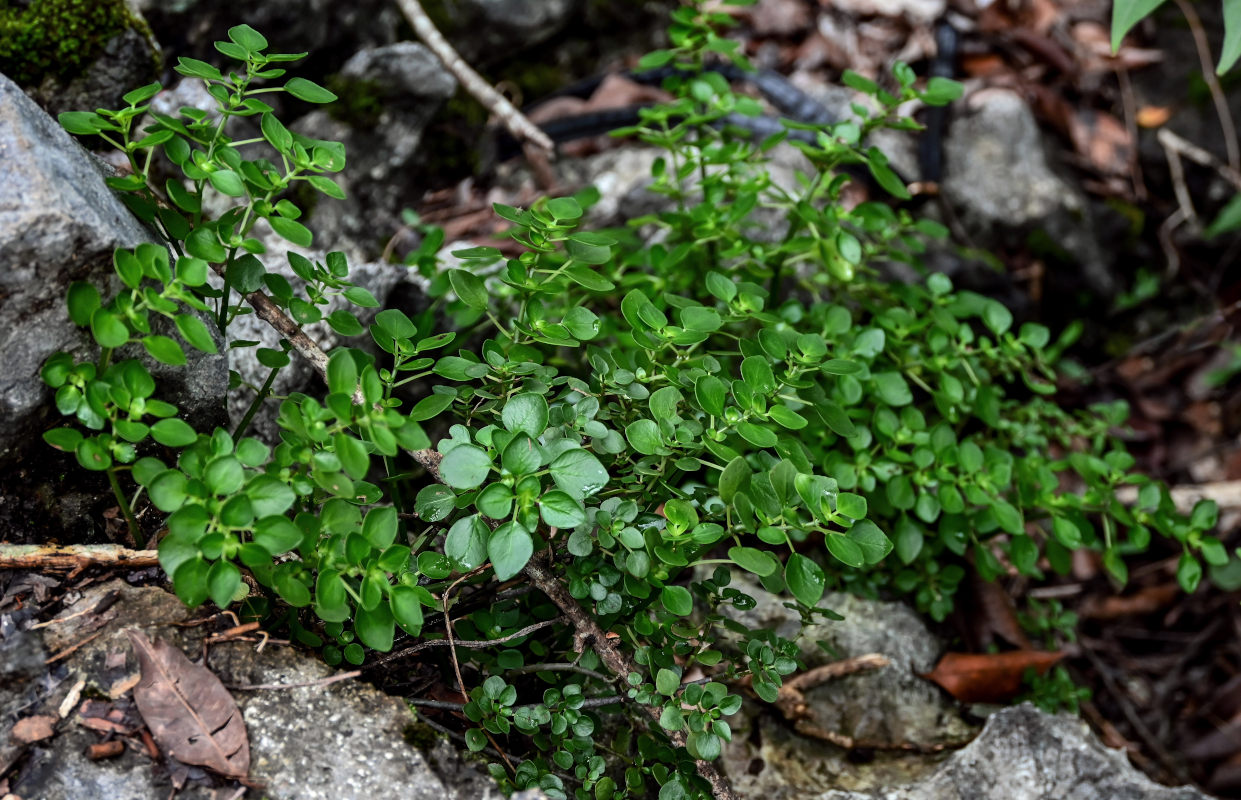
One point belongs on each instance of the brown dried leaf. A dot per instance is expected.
(988, 677)
(994, 616)
(190, 713)
(1103, 140)
(34, 729)
(1147, 600)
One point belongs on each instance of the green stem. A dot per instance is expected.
(222, 320)
(262, 395)
(123, 502)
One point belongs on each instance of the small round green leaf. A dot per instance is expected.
(677, 600)
(509, 548)
(805, 578)
(173, 432)
(465, 467)
(164, 350)
(527, 413)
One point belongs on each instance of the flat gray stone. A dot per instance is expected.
(320, 742)
(1026, 754)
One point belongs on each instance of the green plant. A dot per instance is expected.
(627, 419)
(1054, 692)
(1049, 621)
(1127, 13)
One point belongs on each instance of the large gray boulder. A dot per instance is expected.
(1002, 185)
(922, 746)
(59, 223)
(343, 740)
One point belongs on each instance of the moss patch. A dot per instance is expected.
(57, 38)
(360, 102)
(421, 736)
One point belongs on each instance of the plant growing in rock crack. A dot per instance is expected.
(640, 414)
(114, 401)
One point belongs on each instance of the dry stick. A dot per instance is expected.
(1212, 82)
(452, 649)
(561, 666)
(469, 644)
(1177, 173)
(271, 313)
(1193, 152)
(253, 687)
(1131, 126)
(37, 556)
(1139, 726)
(590, 634)
(791, 702)
(71, 649)
(516, 122)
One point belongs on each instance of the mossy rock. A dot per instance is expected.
(76, 54)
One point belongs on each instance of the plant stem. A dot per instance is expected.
(263, 393)
(126, 511)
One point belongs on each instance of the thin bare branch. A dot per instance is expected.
(516, 122)
(274, 316)
(254, 687)
(1212, 82)
(469, 644)
(589, 634)
(78, 556)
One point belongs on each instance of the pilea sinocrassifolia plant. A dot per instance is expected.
(637, 417)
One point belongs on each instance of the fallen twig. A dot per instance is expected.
(1212, 82)
(791, 702)
(1171, 141)
(39, 556)
(71, 649)
(516, 122)
(589, 634)
(102, 605)
(561, 667)
(1176, 172)
(254, 687)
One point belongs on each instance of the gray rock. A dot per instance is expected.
(490, 30)
(60, 223)
(1001, 185)
(393, 91)
(891, 705)
(1025, 754)
(190, 27)
(344, 740)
